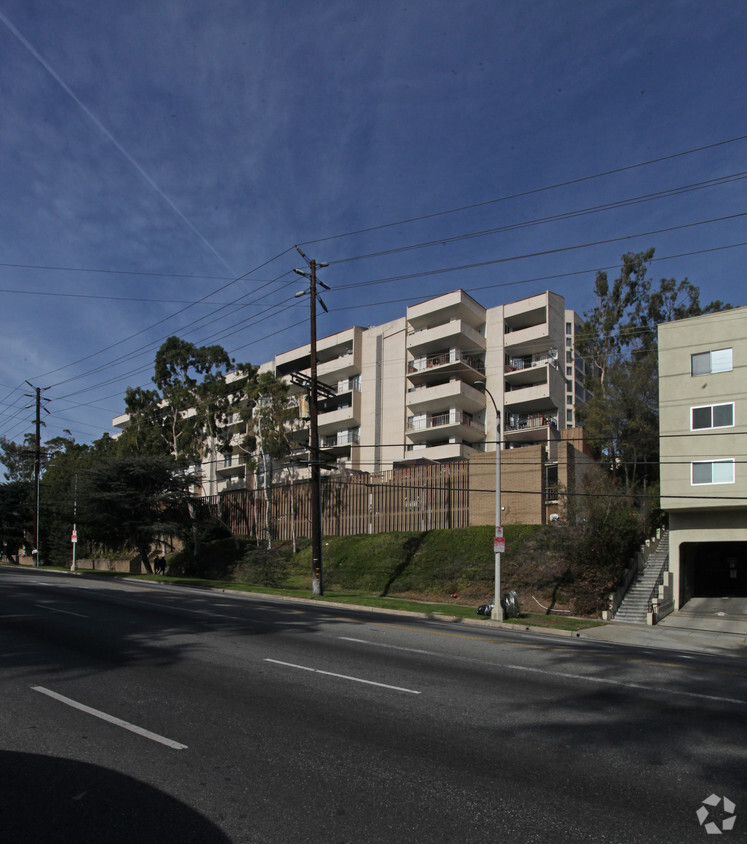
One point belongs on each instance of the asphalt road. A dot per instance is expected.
(148, 713)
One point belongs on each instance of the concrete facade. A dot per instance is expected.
(703, 428)
(415, 389)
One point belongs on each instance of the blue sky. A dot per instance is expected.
(160, 159)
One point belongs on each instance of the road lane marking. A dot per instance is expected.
(607, 681)
(344, 677)
(560, 674)
(600, 654)
(133, 728)
(54, 609)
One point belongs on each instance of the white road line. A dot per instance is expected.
(561, 674)
(343, 677)
(658, 689)
(175, 745)
(54, 609)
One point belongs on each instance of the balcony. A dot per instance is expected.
(338, 356)
(454, 333)
(524, 362)
(344, 364)
(456, 305)
(533, 338)
(339, 444)
(451, 424)
(528, 399)
(343, 411)
(531, 427)
(439, 451)
(453, 393)
(447, 364)
(231, 464)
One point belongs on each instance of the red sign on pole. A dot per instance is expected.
(499, 543)
(74, 537)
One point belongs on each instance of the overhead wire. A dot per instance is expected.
(662, 194)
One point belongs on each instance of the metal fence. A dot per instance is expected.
(414, 498)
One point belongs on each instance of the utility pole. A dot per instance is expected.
(317, 569)
(37, 464)
(37, 471)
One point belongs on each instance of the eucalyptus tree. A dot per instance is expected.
(618, 342)
(271, 414)
(197, 388)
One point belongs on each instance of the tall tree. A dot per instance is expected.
(618, 342)
(186, 415)
(270, 413)
(15, 516)
(191, 401)
(132, 501)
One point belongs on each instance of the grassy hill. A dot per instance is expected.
(562, 568)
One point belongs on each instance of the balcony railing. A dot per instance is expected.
(520, 422)
(342, 438)
(438, 420)
(517, 364)
(429, 361)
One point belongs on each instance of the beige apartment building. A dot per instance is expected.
(420, 389)
(703, 433)
(413, 389)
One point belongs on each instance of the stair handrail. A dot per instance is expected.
(653, 597)
(636, 565)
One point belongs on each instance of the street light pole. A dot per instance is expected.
(497, 612)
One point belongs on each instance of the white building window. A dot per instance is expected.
(709, 363)
(713, 472)
(712, 416)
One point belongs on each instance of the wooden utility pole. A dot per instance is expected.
(37, 462)
(37, 472)
(317, 569)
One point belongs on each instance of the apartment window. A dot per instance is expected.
(569, 356)
(708, 363)
(713, 472)
(569, 328)
(712, 416)
(569, 342)
(569, 398)
(569, 371)
(569, 417)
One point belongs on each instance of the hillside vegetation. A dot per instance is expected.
(571, 568)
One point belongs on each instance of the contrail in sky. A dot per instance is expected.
(61, 82)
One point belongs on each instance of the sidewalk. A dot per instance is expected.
(704, 625)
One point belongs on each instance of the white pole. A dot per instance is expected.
(497, 613)
(75, 513)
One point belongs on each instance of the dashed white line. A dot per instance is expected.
(562, 674)
(64, 612)
(133, 728)
(344, 677)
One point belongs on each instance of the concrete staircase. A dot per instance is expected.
(634, 605)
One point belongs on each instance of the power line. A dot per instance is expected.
(529, 192)
(566, 215)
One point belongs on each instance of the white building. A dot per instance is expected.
(406, 389)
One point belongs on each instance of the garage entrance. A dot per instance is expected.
(713, 570)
